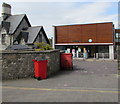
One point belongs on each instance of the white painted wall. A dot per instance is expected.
(111, 51)
(53, 43)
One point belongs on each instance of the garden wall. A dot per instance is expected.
(19, 64)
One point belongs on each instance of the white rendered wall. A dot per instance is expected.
(111, 51)
(53, 40)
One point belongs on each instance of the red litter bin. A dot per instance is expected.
(66, 61)
(40, 69)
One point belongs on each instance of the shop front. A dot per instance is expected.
(96, 40)
(86, 51)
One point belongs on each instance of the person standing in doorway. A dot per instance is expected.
(85, 54)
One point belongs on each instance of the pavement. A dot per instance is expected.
(89, 81)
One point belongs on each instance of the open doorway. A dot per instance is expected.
(92, 50)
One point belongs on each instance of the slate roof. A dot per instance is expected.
(17, 47)
(33, 32)
(15, 20)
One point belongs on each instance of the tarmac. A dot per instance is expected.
(89, 81)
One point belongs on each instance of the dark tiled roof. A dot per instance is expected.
(17, 47)
(33, 32)
(14, 22)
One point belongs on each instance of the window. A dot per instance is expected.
(22, 41)
(117, 35)
(40, 38)
(3, 39)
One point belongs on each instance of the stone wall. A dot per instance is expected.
(19, 64)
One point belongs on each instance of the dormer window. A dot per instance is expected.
(24, 28)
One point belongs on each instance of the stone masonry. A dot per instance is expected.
(19, 64)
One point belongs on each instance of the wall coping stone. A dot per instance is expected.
(28, 51)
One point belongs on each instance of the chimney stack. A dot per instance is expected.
(6, 9)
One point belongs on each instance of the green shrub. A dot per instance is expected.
(48, 47)
(42, 46)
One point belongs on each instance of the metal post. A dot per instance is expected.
(96, 55)
(77, 54)
(102, 55)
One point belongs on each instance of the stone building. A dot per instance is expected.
(16, 29)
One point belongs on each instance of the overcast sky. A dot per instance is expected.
(48, 14)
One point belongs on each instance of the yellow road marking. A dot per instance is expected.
(69, 90)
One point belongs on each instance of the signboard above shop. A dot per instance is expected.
(76, 41)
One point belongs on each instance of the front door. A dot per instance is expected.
(91, 51)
